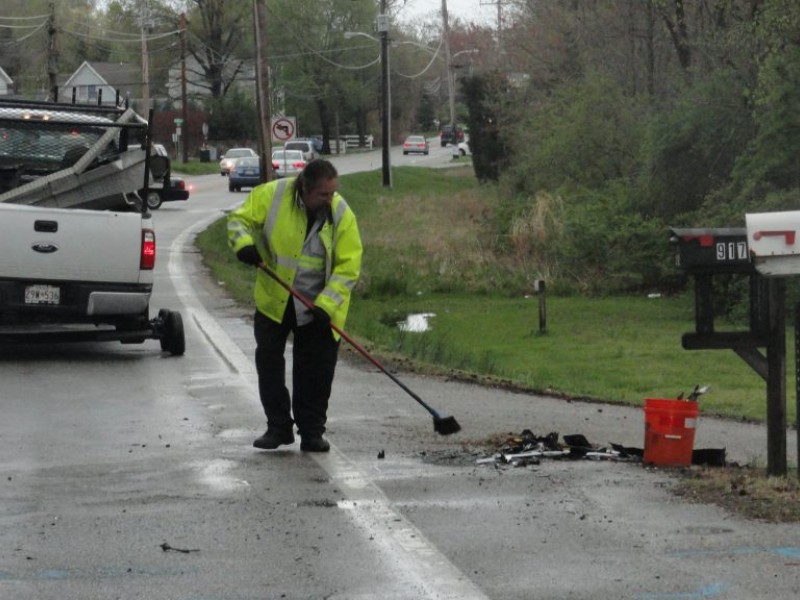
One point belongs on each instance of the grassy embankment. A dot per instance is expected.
(429, 248)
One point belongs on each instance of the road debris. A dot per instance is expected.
(526, 448)
(166, 548)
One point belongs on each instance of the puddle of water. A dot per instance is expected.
(215, 474)
(416, 323)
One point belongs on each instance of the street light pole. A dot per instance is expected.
(386, 102)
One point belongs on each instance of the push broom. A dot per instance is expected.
(443, 425)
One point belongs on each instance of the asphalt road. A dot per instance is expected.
(128, 473)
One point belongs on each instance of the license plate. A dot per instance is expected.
(42, 294)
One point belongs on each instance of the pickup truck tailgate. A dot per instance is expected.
(72, 245)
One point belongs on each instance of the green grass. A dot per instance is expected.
(422, 255)
(614, 349)
(195, 167)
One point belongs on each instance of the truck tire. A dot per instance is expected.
(172, 338)
(153, 200)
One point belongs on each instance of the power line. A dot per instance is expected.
(137, 40)
(25, 18)
(24, 37)
(3, 26)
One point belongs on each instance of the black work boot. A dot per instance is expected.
(273, 438)
(314, 443)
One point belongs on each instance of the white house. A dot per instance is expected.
(6, 83)
(102, 79)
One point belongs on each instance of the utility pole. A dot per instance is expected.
(52, 55)
(184, 108)
(386, 100)
(145, 59)
(499, 4)
(263, 94)
(451, 84)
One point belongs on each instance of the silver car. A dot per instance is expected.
(305, 146)
(287, 163)
(229, 158)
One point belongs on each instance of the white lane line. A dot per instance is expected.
(405, 549)
(227, 349)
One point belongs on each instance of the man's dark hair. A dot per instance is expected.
(311, 175)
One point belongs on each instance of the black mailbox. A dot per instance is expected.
(722, 250)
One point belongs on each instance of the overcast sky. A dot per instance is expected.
(467, 10)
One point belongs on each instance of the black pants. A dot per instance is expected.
(314, 363)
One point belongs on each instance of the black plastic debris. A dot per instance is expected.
(527, 448)
(711, 457)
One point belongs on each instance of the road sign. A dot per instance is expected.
(178, 121)
(283, 129)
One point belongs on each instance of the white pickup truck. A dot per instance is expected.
(78, 244)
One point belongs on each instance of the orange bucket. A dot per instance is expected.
(669, 427)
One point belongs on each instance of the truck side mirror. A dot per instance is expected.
(159, 165)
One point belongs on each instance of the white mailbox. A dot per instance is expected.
(774, 242)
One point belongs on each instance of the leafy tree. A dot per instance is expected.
(692, 146)
(772, 160)
(221, 40)
(586, 133)
(233, 117)
(320, 72)
(426, 114)
(484, 96)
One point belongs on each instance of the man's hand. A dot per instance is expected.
(249, 256)
(321, 316)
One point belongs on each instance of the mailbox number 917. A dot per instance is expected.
(728, 251)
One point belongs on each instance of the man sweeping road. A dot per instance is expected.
(305, 233)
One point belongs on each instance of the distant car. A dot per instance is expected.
(163, 187)
(158, 192)
(463, 149)
(227, 159)
(287, 163)
(416, 143)
(246, 172)
(305, 146)
(451, 134)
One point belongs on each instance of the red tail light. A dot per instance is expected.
(181, 185)
(299, 165)
(275, 164)
(148, 258)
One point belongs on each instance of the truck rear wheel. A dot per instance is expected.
(172, 337)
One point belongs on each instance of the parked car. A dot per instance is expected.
(463, 149)
(416, 143)
(230, 156)
(287, 163)
(159, 193)
(451, 134)
(305, 146)
(246, 172)
(164, 187)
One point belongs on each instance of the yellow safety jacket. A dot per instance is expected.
(276, 224)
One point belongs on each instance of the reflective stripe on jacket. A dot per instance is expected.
(271, 220)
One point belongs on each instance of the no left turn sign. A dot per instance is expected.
(283, 129)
